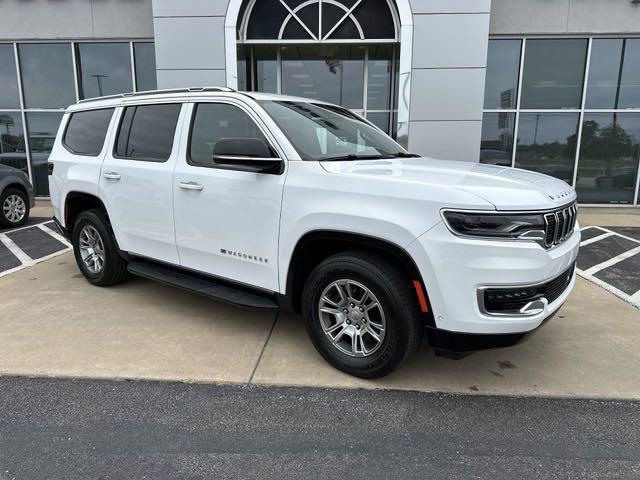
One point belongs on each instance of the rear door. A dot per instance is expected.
(136, 181)
(227, 221)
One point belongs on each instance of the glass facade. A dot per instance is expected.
(360, 77)
(39, 80)
(567, 107)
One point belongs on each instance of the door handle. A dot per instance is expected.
(191, 186)
(111, 175)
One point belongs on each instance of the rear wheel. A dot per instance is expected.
(361, 315)
(14, 208)
(95, 249)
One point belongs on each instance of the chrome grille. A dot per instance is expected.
(559, 225)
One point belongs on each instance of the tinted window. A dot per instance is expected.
(553, 73)
(147, 131)
(614, 74)
(47, 75)
(12, 147)
(215, 121)
(8, 78)
(609, 156)
(379, 73)
(503, 64)
(86, 131)
(105, 69)
(145, 59)
(42, 128)
(547, 143)
(496, 146)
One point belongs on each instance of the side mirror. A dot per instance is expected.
(246, 154)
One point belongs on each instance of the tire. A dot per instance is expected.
(10, 200)
(398, 313)
(92, 228)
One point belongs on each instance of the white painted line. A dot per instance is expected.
(633, 300)
(612, 261)
(597, 239)
(54, 234)
(620, 235)
(16, 250)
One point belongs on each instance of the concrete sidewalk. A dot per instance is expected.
(53, 323)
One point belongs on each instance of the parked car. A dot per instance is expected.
(269, 201)
(16, 197)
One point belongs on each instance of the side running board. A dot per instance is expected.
(202, 285)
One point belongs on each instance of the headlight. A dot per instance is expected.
(509, 226)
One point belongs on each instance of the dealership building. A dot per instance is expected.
(546, 85)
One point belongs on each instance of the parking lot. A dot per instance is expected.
(53, 323)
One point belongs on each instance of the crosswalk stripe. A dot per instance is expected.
(612, 261)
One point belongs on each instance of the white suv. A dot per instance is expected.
(266, 201)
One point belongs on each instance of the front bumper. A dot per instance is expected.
(456, 269)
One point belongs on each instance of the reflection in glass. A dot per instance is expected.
(41, 130)
(609, 153)
(380, 69)
(503, 64)
(8, 78)
(380, 120)
(244, 62)
(104, 69)
(47, 75)
(145, 59)
(553, 73)
(12, 148)
(333, 73)
(547, 143)
(266, 69)
(614, 73)
(496, 147)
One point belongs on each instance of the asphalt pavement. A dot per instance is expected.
(90, 429)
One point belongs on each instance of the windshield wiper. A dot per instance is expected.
(405, 155)
(353, 156)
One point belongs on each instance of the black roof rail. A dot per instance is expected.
(158, 92)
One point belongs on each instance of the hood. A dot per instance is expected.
(506, 188)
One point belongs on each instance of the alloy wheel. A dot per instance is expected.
(91, 249)
(14, 208)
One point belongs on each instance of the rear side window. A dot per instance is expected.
(215, 121)
(146, 132)
(86, 131)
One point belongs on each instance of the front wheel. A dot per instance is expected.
(361, 315)
(14, 208)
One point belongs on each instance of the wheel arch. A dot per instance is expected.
(77, 202)
(17, 186)
(315, 246)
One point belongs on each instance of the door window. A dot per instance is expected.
(213, 122)
(86, 131)
(146, 132)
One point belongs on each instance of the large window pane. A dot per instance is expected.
(8, 78)
(12, 148)
(244, 63)
(42, 128)
(105, 69)
(333, 73)
(380, 69)
(266, 69)
(609, 154)
(503, 65)
(553, 73)
(614, 74)
(380, 120)
(496, 147)
(547, 143)
(47, 75)
(145, 60)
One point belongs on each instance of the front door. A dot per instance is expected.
(227, 221)
(136, 180)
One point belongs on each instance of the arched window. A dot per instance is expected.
(318, 21)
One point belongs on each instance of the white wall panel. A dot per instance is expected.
(447, 94)
(190, 78)
(450, 6)
(446, 140)
(193, 8)
(189, 42)
(445, 41)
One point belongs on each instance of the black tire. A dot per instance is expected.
(4, 221)
(114, 269)
(391, 287)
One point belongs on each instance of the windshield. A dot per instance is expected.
(325, 132)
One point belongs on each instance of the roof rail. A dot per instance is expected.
(159, 92)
